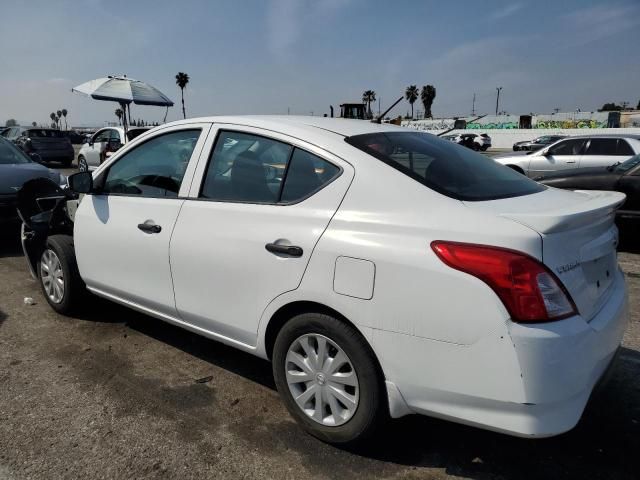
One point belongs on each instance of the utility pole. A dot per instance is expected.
(624, 105)
(473, 106)
(498, 99)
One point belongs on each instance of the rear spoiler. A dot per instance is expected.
(598, 204)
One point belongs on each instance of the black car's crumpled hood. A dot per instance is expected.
(14, 175)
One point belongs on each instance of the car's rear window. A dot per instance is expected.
(43, 133)
(447, 168)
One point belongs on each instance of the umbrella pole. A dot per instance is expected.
(124, 118)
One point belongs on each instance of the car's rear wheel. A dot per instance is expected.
(328, 378)
(82, 164)
(59, 277)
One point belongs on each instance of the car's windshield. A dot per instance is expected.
(627, 164)
(445, 167)
(11, 154)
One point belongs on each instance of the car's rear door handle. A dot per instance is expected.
(288, 250)
(150, 227)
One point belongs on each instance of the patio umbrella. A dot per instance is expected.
(124, 91)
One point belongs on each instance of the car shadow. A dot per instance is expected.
(10, 241)
(602, 445)
(211, 351)
(629, 231)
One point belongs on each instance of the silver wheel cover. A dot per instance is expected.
(51, 276)
(322, 380)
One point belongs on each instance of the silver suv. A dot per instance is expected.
(575, 152)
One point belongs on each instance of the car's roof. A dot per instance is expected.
(340, 126)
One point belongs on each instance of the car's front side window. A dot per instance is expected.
(155, 168)
(114, 135)
(101, 136)
(568, 147)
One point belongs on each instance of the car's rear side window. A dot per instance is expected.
(252, 168)
(445, 167)
(624, 148)
(602, 146)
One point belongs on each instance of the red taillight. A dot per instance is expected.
(529, 291)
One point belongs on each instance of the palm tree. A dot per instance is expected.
(34, 124)
(52, 116)
(64, 114)
(427, 96)
(119, 113)
(411, 94)
(181, 80)
(367, 97)
(59, 114)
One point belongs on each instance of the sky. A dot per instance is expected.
(300, 56)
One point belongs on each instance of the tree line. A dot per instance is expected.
(427, 95)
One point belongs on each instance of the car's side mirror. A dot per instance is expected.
(81, 182)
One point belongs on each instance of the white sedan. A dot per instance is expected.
(575, 152)
(103, 143)
(383, 271)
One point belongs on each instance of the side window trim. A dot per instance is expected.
(221, 131)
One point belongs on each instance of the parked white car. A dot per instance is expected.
(575, 152)
(103, 143)
(382, 270)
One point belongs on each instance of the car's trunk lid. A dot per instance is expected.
(579, 238)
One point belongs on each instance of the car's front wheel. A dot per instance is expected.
(59, 277)
(82, 164)
(328, 378)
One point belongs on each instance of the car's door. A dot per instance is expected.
(122, 231)
(602, 152)
(629, 184)
(560, 156)
(247, 231)
(96, 145)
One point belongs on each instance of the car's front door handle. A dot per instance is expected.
(150, 227)
(288, 250)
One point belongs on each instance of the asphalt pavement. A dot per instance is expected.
(113, 393)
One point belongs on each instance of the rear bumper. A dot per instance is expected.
(531, 381)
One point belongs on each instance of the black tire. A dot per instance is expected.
(475, 147)
(82, 164)
(372, 406)
(74, 288)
